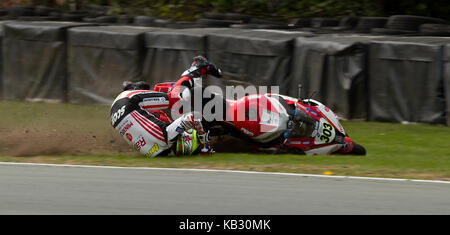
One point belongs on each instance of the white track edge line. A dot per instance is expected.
(226, 171)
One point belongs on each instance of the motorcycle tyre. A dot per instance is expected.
(358, 150)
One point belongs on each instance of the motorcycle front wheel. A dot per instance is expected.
(358, 149)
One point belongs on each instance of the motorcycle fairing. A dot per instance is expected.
(308, 146)
(324, 149)
(164, 87)
(325, 133)
(260, 117)
(321, 139)
(271, 119)
(325, 112)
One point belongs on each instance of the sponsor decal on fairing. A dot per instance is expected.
(140, 143)
(154, 149)
(117, 115)
(129, 137)
(126, 127)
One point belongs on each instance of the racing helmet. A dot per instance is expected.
(187, 144)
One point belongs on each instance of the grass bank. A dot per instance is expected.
(81, 134)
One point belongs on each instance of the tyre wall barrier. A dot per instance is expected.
(332, 69)
(101, 58)
(376, 78)
(2, 23)
(446, 76)
(1, 60)
(254, 57)
(169, 53)
(34, 60)
(406, 80)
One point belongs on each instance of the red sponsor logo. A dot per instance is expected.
(129, 136)
(140, 143)
(126, 128)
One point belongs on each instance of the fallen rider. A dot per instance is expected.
(151, 132)
(136, 114)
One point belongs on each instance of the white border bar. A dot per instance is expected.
(224, 171)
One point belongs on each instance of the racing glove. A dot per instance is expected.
(189, 122)
(201, 66)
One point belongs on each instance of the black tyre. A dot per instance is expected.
(358, 150)
(55, 14)
(307, 29)
(214, 16)
(106, 19)
(72, 17)
(44, 11)
(238, 17)
(259, 26)
(144, 21)
(299, 23)
(365, 24)
(442, 30)
(216, 23)
(266, 22)
(411, 23)
(184, 25)
(272, 26)
(243, 26)
(162, 22)
(38, 18)
(348, 22)
(332, 30)
(124, 19)
(95, 8)
(385, 31)
(324, 22)
(89, 20)
(18, 11)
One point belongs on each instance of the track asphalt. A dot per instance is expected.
(42, 189)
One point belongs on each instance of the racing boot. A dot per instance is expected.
(350, 147)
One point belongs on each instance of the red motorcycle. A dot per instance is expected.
(282, 124)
